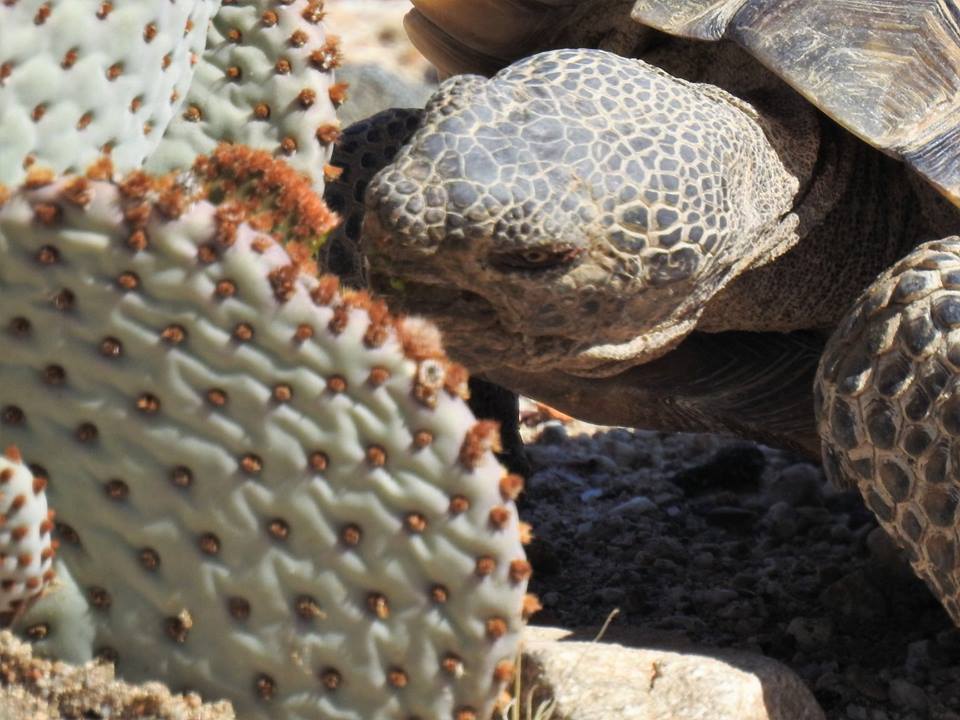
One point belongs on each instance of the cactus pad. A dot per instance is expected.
(269, 491)
(265, 81)
(26, 548)
(79, 78)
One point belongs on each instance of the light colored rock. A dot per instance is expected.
(374, 88)
(608, 681)
(371, 31)
(380, 65)
(33, 688)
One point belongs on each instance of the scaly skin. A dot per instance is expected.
(528, 213)
(888, 402)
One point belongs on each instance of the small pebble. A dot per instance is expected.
(841, 534)
(668, 547)
(815, 515)
(810, 633)
(782, 520)
(584, 529)
(703, 560)
(853, 598)
(857, 712)
(633, 507)
(734, 467)
(610, 595)
(718, 596)
(797, 485)
(550, 598)
(907, 695)
(918, 655)
(665, 565)
(731, 518)
(553, 434)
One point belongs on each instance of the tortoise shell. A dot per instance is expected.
(887, 70)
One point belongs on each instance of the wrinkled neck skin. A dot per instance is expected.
(757, 386)
(644, 193)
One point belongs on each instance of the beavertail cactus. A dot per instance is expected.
(26, 548)
(81, 78)
(264, 81)
(269, 490)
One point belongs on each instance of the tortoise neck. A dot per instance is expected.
(857, 215)
(757, 386)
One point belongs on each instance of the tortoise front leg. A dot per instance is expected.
(362, 151)
(888, 406)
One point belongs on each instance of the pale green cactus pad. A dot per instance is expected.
(80, 78)
(265, 81)
(269, 491)
(26, 548)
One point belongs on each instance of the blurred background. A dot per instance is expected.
(383, 68)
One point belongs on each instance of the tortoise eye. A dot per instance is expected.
(536, 258)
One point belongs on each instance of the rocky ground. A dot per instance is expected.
(36, 689)
(726, 544)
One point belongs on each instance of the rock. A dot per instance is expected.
(945, 648)
(17, 703)
(866, 683)
(814, 516)
(841, 534)
(550, 598)
(606, 681)
(610, 595)
(854, 599)
(797, 485)
(918, 655)
(888, 563)
(810, 633)
(717, 596)
(371, 31)
(907, 695)
(734, 519)
(856, 712)
(373, 88)
(704, 560)
(667, 547)
(734, 467)
(782, 520)
(553, 434)
(634, 507)
(38, 689)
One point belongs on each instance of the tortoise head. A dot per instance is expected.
(574, 212)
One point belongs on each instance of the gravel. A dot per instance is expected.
(735, 545)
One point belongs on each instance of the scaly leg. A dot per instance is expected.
(888, 407)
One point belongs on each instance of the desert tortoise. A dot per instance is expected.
(688, 241)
